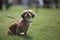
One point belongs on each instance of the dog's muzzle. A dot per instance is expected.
(28, 16)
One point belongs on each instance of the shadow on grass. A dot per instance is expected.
(27, 37)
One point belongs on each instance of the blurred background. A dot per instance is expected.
(45, 26)
(30, 3)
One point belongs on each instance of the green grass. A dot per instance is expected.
(46, 24)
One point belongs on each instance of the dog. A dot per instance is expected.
(21, 27)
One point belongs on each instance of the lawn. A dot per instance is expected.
(45, 26)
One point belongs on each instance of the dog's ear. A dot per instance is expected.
(23, 15)
(33, 15)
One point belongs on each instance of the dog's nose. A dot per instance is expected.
(28, 16)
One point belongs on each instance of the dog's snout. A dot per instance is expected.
(28, 16)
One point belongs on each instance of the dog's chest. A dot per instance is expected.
(24, 25)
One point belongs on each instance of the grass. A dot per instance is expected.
(46, 24)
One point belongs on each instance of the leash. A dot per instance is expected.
(7, 16)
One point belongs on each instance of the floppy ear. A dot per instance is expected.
(33, 15)
(22, 15)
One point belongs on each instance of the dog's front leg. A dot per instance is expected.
(25, 33)
(18, 31)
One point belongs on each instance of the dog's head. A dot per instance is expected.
(28, 15)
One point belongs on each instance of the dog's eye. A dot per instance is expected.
(25, 12)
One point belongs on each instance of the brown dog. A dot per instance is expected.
(21, 27)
